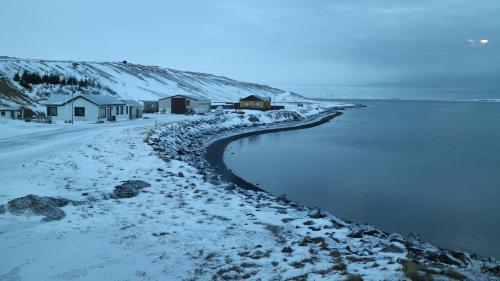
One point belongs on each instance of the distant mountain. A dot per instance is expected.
(31, 81)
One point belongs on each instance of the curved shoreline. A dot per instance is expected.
(215, 151)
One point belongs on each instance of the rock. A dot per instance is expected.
(313, 228)
(129, 188)
(337, 224)
(442, 258)
(461, 256)
(392, 249)
(180, 175)
(356, 234)
(253, 118)
(287, 250)
(413, 239)
(495, 270)
(43, 206)
(2, 209)
(317, 214)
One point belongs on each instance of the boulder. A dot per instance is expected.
(287, 250)
(442, 258)
(43, 206)
(253, 118)
(317, 214)
(130, 188)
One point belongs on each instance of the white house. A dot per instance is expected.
(11, 112)
(91, 108)
(16, 112)
(133, 109)
(182, 104)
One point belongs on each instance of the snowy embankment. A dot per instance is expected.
(181, 222)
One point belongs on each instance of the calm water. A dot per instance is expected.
(404, 166)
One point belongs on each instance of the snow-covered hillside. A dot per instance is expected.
(126, 80)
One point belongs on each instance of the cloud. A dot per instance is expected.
(364, 42)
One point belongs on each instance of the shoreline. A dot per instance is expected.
(201, 144)
(214, 154)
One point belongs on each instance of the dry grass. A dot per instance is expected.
(412, 271)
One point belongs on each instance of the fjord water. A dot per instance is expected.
(428, 167)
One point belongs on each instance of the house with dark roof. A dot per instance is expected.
(90, 108)
(184, 104)
(255, 102)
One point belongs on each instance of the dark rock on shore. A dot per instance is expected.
(317, 214)
(130, 188)
(253, 119)
(495, 270)
(442, 258)
(43, 206)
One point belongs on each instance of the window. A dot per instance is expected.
(52, 111)
(188, 102)
(3, 113)
(117, 110)
(246, 104)
(257, 104)
(102, 112)
(126, 109)
(121, 109)
(79, 111)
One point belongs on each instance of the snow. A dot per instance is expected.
(183, 227)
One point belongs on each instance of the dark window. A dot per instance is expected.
(51, 111)
(3, 113)
(121, 109)
(79, 111)
(117, 110)
(126, 109)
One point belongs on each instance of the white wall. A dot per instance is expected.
(64, 112)
(164, 105)
(120, 114)
(200, 106)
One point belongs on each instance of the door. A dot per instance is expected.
(108, 114)
(178, 105)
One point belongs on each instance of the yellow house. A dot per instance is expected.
(255, 102)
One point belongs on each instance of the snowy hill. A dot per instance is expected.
(126, 80)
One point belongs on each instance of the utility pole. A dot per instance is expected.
(72, 106)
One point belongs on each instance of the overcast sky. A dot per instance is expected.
(421, 43)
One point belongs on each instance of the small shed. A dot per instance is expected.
(150, 106)
(255, 102)
(184, 104)
(133, 109)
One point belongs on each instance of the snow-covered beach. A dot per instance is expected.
(189, 224)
